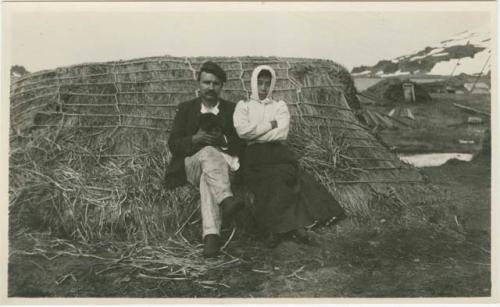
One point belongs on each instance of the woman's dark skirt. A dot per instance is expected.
(286, 198)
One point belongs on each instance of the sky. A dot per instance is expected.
(47, 36)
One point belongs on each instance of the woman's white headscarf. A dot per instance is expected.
(254, 85)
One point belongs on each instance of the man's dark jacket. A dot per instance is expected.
(186, 124)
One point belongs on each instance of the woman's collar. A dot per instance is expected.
(262, 101)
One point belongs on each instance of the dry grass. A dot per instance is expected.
(176, 259)
(90, 196)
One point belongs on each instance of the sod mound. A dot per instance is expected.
(391, 90)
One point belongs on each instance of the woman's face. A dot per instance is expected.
(263, 85)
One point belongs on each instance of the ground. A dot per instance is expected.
(439, 125)
(445, 255)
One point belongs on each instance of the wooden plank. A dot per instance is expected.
(384, 120)
(396, 120)
(470, 109)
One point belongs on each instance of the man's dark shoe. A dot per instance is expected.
(211, 246)
(229, 207)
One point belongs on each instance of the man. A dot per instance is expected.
(206, 158)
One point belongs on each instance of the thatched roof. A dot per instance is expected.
(102, 128)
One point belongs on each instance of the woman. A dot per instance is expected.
(286, 199)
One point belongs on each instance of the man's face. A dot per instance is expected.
(210, 87)
(263, 85)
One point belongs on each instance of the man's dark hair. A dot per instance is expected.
(265, 73)
(212, 68)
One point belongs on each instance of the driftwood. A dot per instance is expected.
(471, 109)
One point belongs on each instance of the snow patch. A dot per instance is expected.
(440, 54)
(480, 39)
(465, 65)
(397, 73)
(366, 72)
(434, 51)
(418, 57)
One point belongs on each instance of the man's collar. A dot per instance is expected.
(214, 110)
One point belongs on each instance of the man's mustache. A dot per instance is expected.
(210, 92)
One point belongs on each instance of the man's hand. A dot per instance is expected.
(203, 138)
(274, 124)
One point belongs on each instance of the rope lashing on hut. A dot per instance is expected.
(41, 88)
(297, 85)
(377, 181)
(106, 115)
(191, 68)
(104, 127)
(242, 72)
(32, 99)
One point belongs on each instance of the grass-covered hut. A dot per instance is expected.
(391, 91)
(88, 143)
